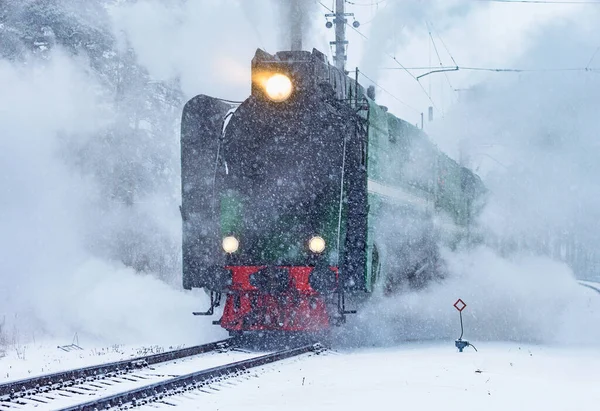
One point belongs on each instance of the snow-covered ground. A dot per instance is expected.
(25, 360)
(427, 375)
(424, 376)
(420, 375)
(537, 331)
(90, 391)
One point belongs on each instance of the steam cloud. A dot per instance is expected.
(522, 298)
(67, 232)
(58, 276)
(532, 137)
(298, 16)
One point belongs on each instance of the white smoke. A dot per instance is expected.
(207, 44)
(400, 22)
(297, 16)
(522, 298)
(532, 137)
(50, 283)
(50, 280)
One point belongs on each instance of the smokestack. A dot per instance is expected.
(296, 19)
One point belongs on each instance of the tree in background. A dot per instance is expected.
(133, 159)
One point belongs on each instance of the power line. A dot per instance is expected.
(592, 58)
(402, 67)
(499, 69)
(365, 4)
(438, 55)
(397, 62)
(389, 93)
(541, 1)
(444, 44)
(328, 9)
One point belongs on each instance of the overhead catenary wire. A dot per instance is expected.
(389, 93)
(541, 2)
(371, 80)
(438, 56)
(401, 66)
(354, 3)
(456, 67)
(592, 58)
(444, 44)
(500, 69)
(374, 12)
(330, 9)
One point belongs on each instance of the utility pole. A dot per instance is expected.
(340, 43)
(340, 35)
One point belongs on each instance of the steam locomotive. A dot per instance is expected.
(309, 196)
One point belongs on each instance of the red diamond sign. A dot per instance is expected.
(460, 305)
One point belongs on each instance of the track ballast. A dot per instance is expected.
(196, 380)
(12, 394)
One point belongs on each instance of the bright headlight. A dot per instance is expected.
(279, 87)
(230, 244)
(316, 244)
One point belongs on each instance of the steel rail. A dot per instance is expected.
(156, 392)
(591, 287)
(44, 383)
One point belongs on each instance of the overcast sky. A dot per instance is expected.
(474, 33)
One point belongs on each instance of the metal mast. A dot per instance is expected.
(340, 43)
(340, 35)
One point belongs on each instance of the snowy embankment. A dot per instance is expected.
(420, 377)
(592, 285)
(20, 361)
(499, 376)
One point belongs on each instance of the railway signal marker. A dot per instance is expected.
(461, 344)
(460, 305)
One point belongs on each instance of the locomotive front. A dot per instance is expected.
(263, 183)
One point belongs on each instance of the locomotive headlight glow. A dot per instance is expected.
(316, 244)
(279, 87)
(230, 244)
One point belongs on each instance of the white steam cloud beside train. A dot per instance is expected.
(532, 137)
(50, 283)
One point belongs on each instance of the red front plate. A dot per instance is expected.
(300, 308)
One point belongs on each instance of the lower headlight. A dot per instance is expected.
(316, 244)
(230, 244)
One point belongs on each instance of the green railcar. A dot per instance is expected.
(419, 200)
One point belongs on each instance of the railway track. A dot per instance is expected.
(591, 285)
(134, 382)
(157, 393)
(18, 394)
